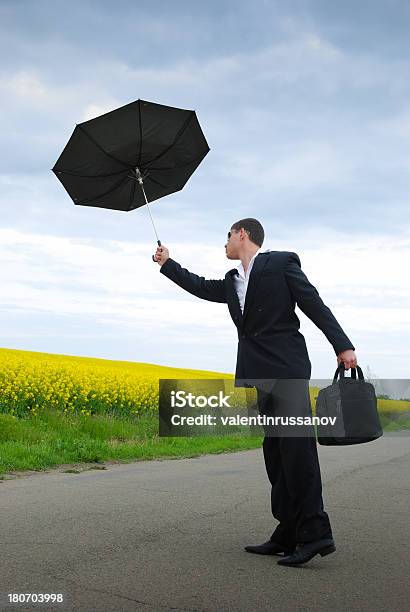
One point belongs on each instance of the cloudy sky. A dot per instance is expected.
(306, 109)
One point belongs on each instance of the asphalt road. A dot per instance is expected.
(169, 535)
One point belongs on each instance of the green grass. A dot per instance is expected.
(398, 423)
(51, 439)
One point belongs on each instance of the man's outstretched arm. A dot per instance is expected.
(310, 302)
(212, 290)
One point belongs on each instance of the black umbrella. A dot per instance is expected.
(156, 146)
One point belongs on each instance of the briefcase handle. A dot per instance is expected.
(341, 370)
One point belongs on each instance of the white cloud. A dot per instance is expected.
(25, 84)
(307, 166)
(68, 276)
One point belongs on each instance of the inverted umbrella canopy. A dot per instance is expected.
(156, 146)
(104, 157)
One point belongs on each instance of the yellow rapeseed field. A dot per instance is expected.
(31, 382)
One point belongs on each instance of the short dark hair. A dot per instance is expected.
(253, 228)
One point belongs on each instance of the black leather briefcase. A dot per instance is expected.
(352, 404)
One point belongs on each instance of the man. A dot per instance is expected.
(261, 295)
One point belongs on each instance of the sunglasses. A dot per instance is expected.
(230, 233)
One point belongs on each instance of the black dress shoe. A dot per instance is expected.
(269, 548)
(305, 552)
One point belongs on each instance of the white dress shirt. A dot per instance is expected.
(241, 279)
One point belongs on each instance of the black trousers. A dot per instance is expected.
(292, 465)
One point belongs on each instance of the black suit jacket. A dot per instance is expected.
(269, 342)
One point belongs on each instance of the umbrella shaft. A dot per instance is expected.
(139, 177)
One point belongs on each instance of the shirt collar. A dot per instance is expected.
(240, 267)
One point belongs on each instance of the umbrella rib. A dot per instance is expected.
(132, 195)
(101, 195)
(149, 178)
(89, 175)
(182, 165)
(100, 147)
(139, 114)
(173, 143)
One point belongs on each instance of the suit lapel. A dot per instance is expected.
(233, 301)
(254, 277)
